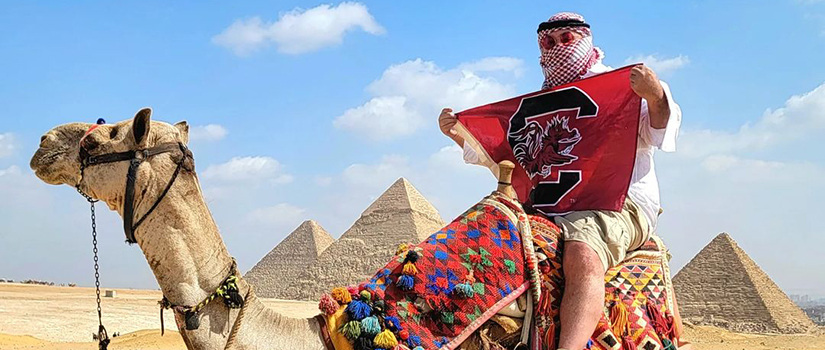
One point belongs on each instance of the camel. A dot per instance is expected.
(180, 240)
(178, 237)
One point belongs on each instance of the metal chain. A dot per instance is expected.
(103, 337)
(97, 267)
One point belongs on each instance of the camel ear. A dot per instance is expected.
(140, 125)
(183, 129)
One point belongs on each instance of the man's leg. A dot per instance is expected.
(582, 305)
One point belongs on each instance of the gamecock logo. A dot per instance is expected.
(539, 148)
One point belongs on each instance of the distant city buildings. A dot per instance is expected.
(813, 307)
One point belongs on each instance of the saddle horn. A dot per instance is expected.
(505, 176)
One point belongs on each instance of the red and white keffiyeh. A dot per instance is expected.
(565, 63)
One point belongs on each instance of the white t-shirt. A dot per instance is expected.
(644, 187)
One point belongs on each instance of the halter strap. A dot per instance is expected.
(135, 158)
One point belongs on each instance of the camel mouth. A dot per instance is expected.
(41, 163)
(48, 165)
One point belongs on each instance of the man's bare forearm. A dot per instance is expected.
(659, 111)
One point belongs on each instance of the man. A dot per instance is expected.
(597, 240)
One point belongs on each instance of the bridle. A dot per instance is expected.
(228, 291)
(135, 158)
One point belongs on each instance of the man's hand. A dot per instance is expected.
(644, 83)
(446, 122)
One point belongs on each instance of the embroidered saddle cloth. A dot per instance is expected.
(435, 294)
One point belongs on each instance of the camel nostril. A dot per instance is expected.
(46, 138)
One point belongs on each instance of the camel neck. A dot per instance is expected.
(182, 244)
(184, 249)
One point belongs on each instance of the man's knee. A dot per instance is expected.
(581, 261)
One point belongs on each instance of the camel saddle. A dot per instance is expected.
(439, 293)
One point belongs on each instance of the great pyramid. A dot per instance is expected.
(288, 259)
(724, 287)
(400, 215)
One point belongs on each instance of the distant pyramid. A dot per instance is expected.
(400, 215)
(271, 275)
(724, 287)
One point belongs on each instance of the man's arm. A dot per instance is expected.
(644, 83)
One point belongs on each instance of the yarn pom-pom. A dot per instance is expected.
(351, 330)
(370, 326)
(392, 323)
(464, 290)
(363, 343)
(385, 340)
(379, 307)
(404, 334)
(401, 248)
(414, 341)
(366, 295)
(357, 310)
(353, 290)
(328, 305)
(412, 256)
(405, 282)
(409, 269)
(341, 295)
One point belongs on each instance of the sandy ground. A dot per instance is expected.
(52, 318)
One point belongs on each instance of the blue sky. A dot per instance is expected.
(309, 110)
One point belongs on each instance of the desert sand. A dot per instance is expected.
(51, 318)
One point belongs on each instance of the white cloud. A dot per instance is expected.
(374, 176)
(209, 132)
(7, 144)
(382, 118)
(299, 31)
(255, 169)
(410, 94)
(801, 115)
(496, 64)
(661, 65)
(10, 171)
(279, 215)
(747, 171)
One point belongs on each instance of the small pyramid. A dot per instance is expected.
(288, 259)
(723, 286)
(400, 215)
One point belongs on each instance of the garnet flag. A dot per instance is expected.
(574, 145)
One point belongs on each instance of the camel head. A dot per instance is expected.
(58, 159)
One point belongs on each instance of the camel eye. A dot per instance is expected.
(90, 143)
(113, 133)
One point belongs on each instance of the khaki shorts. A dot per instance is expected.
(611, 234)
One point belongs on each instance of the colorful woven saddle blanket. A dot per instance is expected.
(435, 294)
